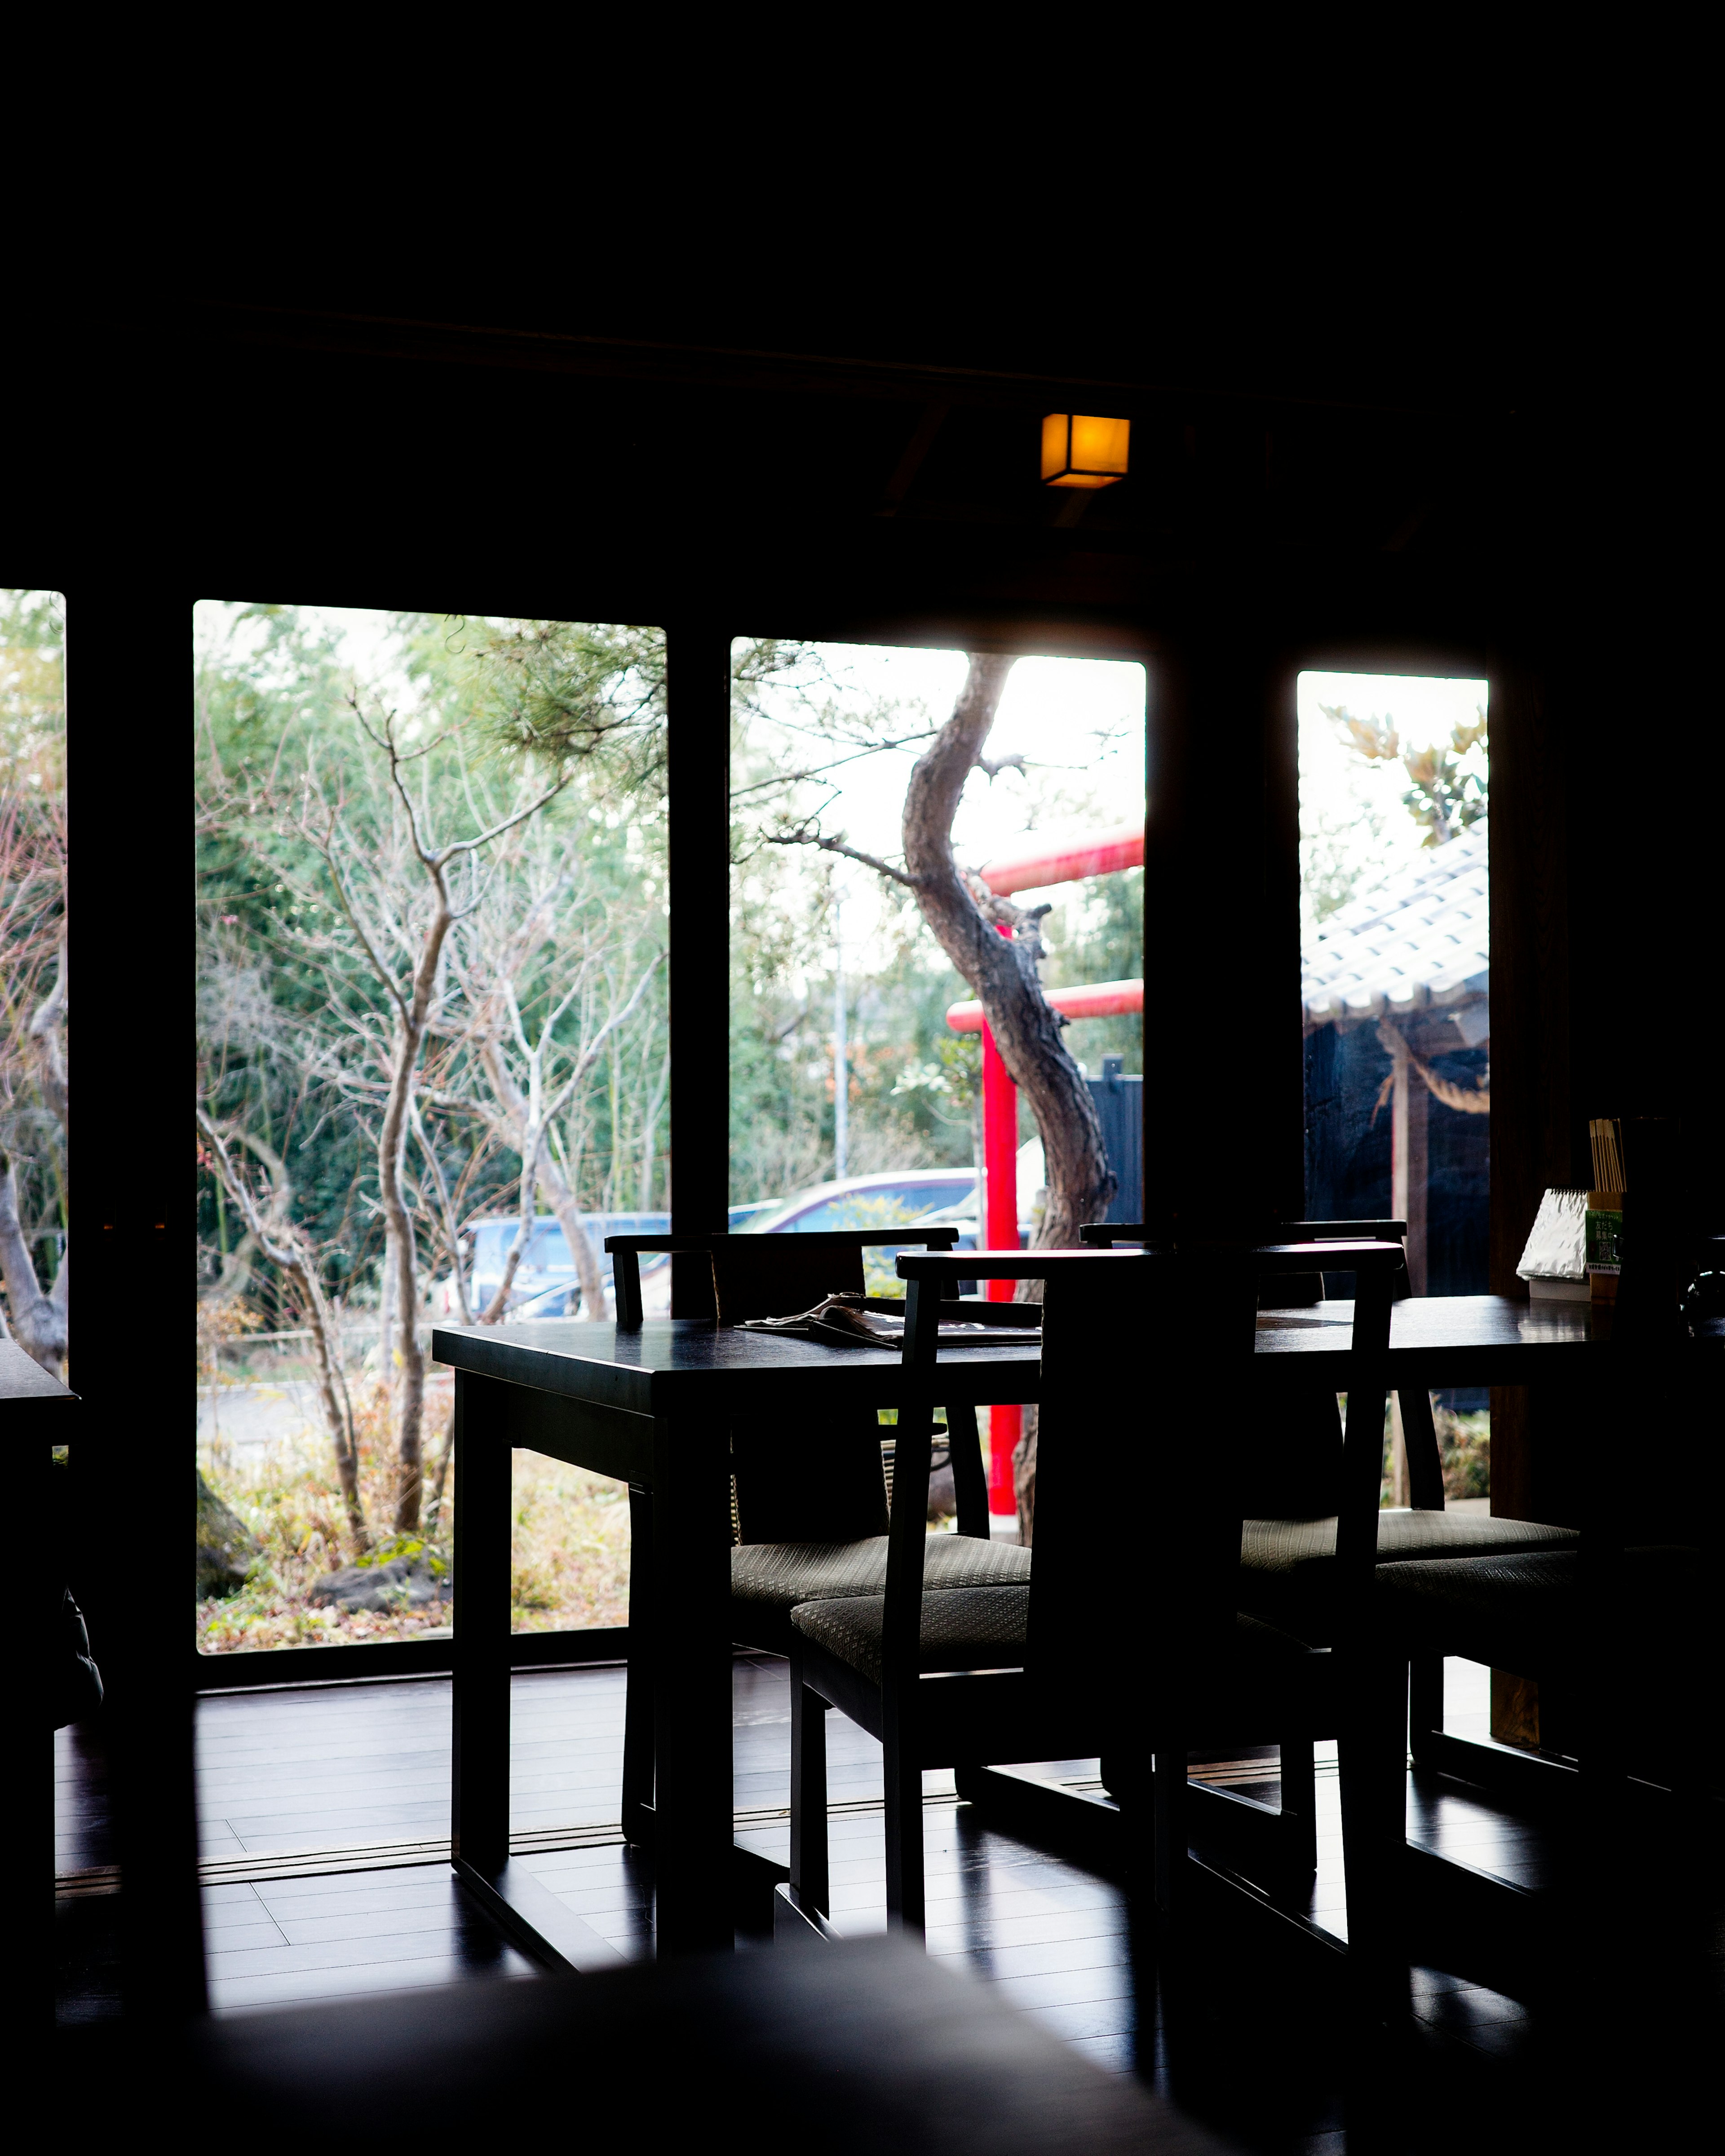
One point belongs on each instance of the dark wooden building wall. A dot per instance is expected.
(171, 465)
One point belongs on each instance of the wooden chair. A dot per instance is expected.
(1631, 1637)
(1288, 1568)
(1128, 1647)
(809, 1508)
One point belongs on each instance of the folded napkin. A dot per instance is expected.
(841, 1322)
(835, 1317)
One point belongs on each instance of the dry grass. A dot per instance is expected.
(570, 1569)
(1464, 1449)
(569, 1566)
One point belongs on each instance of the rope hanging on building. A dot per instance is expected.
(1475, 1102)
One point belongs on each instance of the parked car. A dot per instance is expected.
(546, 1271)
(891, 1200)
(545, 1283)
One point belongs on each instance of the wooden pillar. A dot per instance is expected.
(1408, 1167)
(128, 744)
(1223, 1083)
(1531, 1068)
(698, 752)
(1407, 1184)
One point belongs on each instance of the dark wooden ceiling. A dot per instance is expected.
(820, 489)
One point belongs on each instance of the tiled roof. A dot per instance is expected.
(1420, 940)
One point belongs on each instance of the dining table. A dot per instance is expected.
(653, 1404)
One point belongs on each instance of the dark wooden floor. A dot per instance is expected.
(324, 1824)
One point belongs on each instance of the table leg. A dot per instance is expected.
(478, 1802)
(691, 1682)
(638, 1703)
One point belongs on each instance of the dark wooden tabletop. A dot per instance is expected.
(1442, 1340)
(671, 1363)
(24, 1383)
(863, 2046)
(668, 1364)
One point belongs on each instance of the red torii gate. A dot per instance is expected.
(1103, 855)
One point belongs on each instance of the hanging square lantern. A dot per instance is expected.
(1079, 450)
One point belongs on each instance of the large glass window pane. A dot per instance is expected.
(433, 1078)
(858, 1078)
(1394, 794)
(34, 1046)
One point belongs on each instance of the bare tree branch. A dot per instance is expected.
(820, 770)
(287, 1248)
(837, 846)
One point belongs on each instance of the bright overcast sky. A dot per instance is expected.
(368, 642)
(1079, 723)
(1354, 807)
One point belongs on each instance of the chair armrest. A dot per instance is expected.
(1367, 1255)
(973, 1312)
(696, 1240)
(1008, 1265)
(625, 1255)
(1101, 1235)
(1330, 1231)
(865, 1239)
(1014, 1317)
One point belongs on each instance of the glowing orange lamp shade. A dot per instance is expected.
(1079, 450)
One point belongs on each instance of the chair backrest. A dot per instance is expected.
(1141, 1489)
(795, 1483)
(767, 1276)
(1291, 1457)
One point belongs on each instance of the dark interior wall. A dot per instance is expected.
(404, 472)
(1606, 901)
(1260, 538)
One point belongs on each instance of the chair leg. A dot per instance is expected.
(808, 1794)
(901, 1761)
(1299, 1804)
(638, 1704)
(1173, 1826)
(1425, 1705)
(1374, 1756)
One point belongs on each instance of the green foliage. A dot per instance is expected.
(289, 1015)
(1463, 1452)
(389, 1547)
(1095, 932)
(913, 1083)
(1448, 787)
(1464, 1448)
(32, 903)
(563, 691)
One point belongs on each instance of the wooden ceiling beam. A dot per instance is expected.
(294, 329)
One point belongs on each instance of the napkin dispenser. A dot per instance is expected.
(1554, 1264)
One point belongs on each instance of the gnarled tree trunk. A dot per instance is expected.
(1001, 970)
(38, 1320)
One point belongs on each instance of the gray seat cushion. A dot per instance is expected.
(1525, 1612)
(1287, 1567)
(966, 1628)
(769, 1580)
(979, 1628)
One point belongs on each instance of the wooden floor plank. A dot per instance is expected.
(325, 1769)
